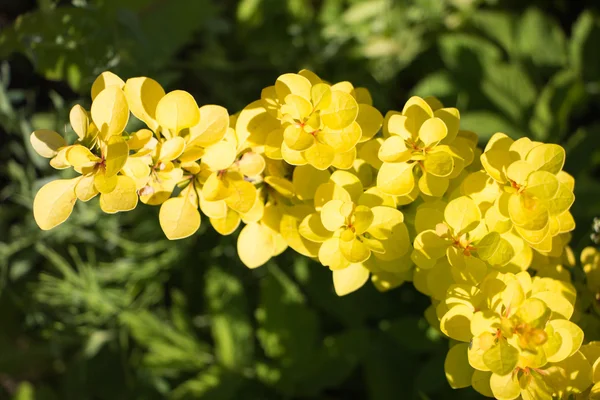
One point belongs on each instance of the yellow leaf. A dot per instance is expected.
(143, 95)
(457, 368)
(179, 218)
(46, 142)
(342, 111)
(416, 111)
(331, 215)
(312, 229)
(255, 245)
(393, 150)
(212, 127)
(281, 185)
(505, 387)
(243, 193)
(292, 84)
(81, 157)
(219, 156)
(306, 179)
(547, 157)
(344, 160)
(123, 198)
(363, 96)
(319, 156)
(296, 138)
(396, 179)
(54, 203)
(331, 256)
(432, 185)
(439, 162)
(349, 279)
(171, 149)
(110, 111)
(254, 124)
(456, 323)
(177, 110)
(496, 157)
(117, 152)
(320, 95)
(352, 248)
(432, 131)
(342, 140)
(85, 188)
(79, 120)
(370, 120)
(296, 107)
(139, 139)
(451, 118)
(251, 164)
(105, 80)
(227, 225)
(311, 76)
(292, 157)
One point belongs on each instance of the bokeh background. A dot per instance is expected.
(104, 307)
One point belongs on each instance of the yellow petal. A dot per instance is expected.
(177, 110)
(255, 245)
(46, 142)
(179, 218)
(54, 203)
(110, 111)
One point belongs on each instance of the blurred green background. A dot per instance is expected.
(104, 307)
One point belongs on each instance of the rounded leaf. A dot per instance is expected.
(177, 110)
(54, 202)
(179, 218)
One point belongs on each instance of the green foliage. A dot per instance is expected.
(106, 308)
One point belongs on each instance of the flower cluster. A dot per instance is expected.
(407, 197)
